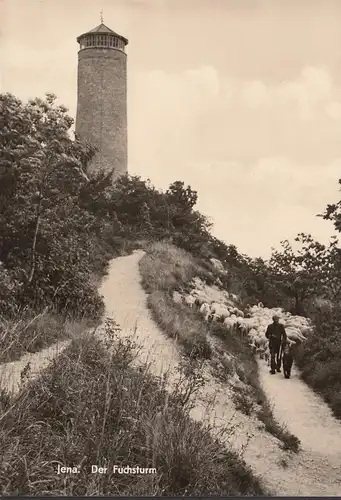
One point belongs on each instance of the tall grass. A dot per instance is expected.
(92, 407)
(30, 333)
(166, 268)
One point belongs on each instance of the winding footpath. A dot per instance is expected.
(11, 372)
(316, 470)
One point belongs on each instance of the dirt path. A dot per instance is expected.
(304, 413)
(315, 471)
(126, 302)
(10, 373)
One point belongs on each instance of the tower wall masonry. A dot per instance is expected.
(102, 106)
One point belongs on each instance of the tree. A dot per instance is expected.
(184, 198)
(333, 214)
(303, 273)
(45, 233)
(41, 166)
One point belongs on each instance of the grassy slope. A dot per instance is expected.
(89, 409)
(166, 268)
(163, 269)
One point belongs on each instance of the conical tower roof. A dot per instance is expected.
(102, 29)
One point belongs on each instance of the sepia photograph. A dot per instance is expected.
(170, 254)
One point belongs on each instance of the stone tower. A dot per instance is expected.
(102, 97)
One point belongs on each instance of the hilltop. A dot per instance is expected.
(63, 235)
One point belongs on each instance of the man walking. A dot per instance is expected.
(275, 333)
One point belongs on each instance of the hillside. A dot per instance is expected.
(73, 381)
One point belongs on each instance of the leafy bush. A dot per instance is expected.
(320, 359)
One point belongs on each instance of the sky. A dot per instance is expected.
(241, 99)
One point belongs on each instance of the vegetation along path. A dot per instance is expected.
(316, 470)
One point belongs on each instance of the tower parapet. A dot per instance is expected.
(100, 37)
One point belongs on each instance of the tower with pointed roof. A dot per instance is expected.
(102, 97)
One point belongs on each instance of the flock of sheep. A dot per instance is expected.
(220, 306)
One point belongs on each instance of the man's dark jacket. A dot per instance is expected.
(276, 334)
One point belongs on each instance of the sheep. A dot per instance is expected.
(261, 352)
(307, 330)
(213, 317)
(220, 309)
(256, 320)
(177, 297)
(189, 300)
(200, 296)
(253, 348)
(261, 341)
(252, 333)
(296, 338)
(205, 309)
(217, 265)
(220, 319)
(295, 334)
(197, 303)
(229, 323)
(249, 323)
(267, 354)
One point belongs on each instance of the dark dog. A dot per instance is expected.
(287, 359)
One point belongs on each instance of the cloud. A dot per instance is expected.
(192, 93)
(275, 199)
(254, 94)
(313, 85)
(200, 114)
(310, 93)
(264, 158)
(333, 109)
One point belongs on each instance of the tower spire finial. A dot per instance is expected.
(102, 16)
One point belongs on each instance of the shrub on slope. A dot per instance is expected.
(320, 360)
